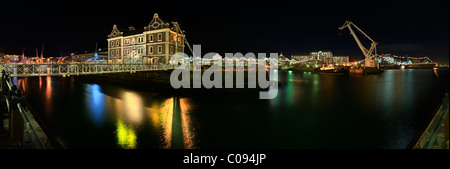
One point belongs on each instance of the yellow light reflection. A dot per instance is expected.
(22, 84)
(162, 118)
(133, 107)
(126, 136)
(166, 115)
(186, 123)
(40, 82)
(48, 96)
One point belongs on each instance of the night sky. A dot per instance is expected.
(416, 28)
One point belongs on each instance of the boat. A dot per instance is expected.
(335, 72)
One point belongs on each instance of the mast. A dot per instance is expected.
(42, 54)
(37, 53)
(96, 52)
(23, 55)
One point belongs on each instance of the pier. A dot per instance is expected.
(436, 135)
(19, 127)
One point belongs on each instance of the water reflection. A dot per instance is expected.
(126, 135)
(162, 117)
(165, 121)
(14, 80)
(375, 111)
(96, 101)
(435, 70)
(48, 96)
(130, 114)
(133, 108)
(290, 92)
(187, 124)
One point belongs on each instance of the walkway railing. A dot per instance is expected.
(436, 135)
(23, 70)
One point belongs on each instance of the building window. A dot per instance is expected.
(151, 38)
(159, 49)
(117, 53)
(117, 43)
(151, 49)
(159, 36)
(112, 53)
(127, 41)
(112, 43)
(171, 49)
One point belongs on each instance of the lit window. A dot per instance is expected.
(160, 37)
(159, 49)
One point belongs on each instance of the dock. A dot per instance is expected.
(19, 128)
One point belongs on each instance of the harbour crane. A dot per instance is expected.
(370, 54)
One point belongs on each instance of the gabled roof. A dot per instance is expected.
(155, 23)
(115, 32)
(133, 32)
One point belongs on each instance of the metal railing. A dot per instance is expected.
(39, 139)
(428, 139)
(24, 70)
(21, 122)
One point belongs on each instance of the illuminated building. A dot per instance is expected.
(90, 56)
(340, 60)
(323, 56)
(316, 58)
(302, 57)
(153, 44)
(9, 58)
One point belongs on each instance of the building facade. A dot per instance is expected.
(100, 56)
(340, 60)
(322, 57)
(154, 44)
(302, 58)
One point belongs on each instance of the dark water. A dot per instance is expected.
(310, 111)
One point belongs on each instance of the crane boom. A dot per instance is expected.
(371, 54)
